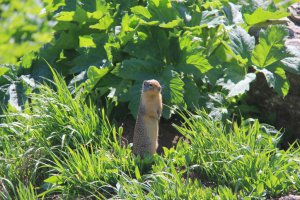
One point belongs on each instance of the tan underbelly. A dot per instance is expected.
(151, 126)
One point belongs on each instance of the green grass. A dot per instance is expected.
(62, 147)
(245, 157)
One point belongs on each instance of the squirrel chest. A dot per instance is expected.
(145, 138)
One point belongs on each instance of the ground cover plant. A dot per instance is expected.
(44, 154)
(60, 104)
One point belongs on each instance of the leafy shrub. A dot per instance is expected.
(199, 51)
(24, 28)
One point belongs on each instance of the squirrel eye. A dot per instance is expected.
(150, 84)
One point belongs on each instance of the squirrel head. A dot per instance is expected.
(152, 86)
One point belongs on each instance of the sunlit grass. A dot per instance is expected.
(54, 121)
(61, 147)
(244, 157)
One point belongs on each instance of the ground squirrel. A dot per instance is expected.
(145, 139)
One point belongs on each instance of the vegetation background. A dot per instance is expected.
(71, 72)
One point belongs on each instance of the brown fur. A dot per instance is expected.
(145, 139)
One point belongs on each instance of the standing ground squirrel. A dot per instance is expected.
(145, 139)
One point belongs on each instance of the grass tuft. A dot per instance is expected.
(245, 158)
(61, 147)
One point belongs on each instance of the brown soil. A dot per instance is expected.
(284, 113)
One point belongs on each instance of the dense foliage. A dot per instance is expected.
(24, 28)
(199, 51)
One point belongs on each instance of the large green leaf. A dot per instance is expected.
(114, 87)
(271, 58)
(241, 42)
(3, 70)
(277, 79)
(80, 15)
(199, 62)
(117, 89)
(155, 39)
(94, 74)
(211, 18)
(27, 60)
(19, 90)
(89, 56)
(191, 15)
(261, 15)
(68, 40)
(191, 93)
(158, 13)
(173, 91)
(194, 64)
(233, 14)
(65, 16)
(86, 59)
(128, 24)
(86, 41)
(172, 24)
(291, 64)
(212, 39)
(104, 23)
(242, 86)
(191, 57)
(53, 6)
(137, 48)
(134, 94)
(137, 69)
(271, 47)
(216, 104)
(141, 11)
(162, 11)
(236, 81)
